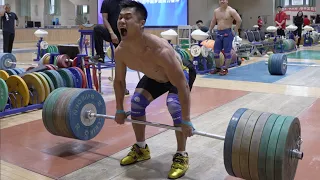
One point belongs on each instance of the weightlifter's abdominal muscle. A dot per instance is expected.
(224, 18)
(141, 56)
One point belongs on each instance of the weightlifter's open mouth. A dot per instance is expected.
(123, 31)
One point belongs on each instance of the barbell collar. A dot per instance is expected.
(91, 115)
(295, 153)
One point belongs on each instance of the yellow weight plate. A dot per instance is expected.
(44, 83)
(36, 88)
(46, 60)
(19, 93)
(4, 75)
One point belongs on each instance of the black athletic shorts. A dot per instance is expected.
(156, 89)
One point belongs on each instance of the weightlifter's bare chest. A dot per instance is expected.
(224, 19)
(146, 63)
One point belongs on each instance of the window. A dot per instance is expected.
(297, 2)
(52, 8)
(288, 3)
(85, 9)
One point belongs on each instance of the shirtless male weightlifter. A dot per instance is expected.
(164, 71)
(224, 16)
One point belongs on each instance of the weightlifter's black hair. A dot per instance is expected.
(139, 8)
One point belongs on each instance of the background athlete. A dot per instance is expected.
(164, 72)
(224, 17)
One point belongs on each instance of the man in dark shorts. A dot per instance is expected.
(224, 17)
(164, 71)
(8, 21)
(110, 10)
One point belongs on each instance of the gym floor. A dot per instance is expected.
(29, 151)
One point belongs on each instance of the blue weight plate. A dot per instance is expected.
(227, 151)
(77, 77)
(11, 72)
(15, 70)
(82, 101)
(5, 59)
(277, 64)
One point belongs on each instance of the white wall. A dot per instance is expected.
(68, 11)
(201, 10)
(251, 9)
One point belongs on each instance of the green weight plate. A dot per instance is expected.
(59, 77)
(285, 163)
(55, 77)
(263, 148)
(56, 49)
(183, 54)
(51, 84)
(48, 107)
(255, 144)
(48, 49)
(4, 94)
(272, 146)
(237, 142)
(59, 114)
(245, 144)
(67, 77)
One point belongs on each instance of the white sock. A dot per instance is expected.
(141, 144)
(183, 153)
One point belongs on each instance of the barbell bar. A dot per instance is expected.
(257, 145)
(90, 114)
(292, 64)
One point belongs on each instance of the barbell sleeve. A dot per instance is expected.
(92, 115)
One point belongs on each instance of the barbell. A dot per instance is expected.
(257, 145)
(9, 61)
(277, 64)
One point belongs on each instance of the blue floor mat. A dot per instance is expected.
(255, 72)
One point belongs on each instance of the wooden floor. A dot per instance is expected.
(29, 152)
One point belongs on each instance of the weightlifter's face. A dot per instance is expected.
(223, 3)
(129, 23)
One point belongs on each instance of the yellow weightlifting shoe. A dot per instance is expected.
(179, 166)
(136, 154)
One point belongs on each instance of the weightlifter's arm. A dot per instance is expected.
(119, 80)
(167, 60)
(238, 19)
(213, 21)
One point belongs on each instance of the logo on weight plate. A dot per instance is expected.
(136, 99)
